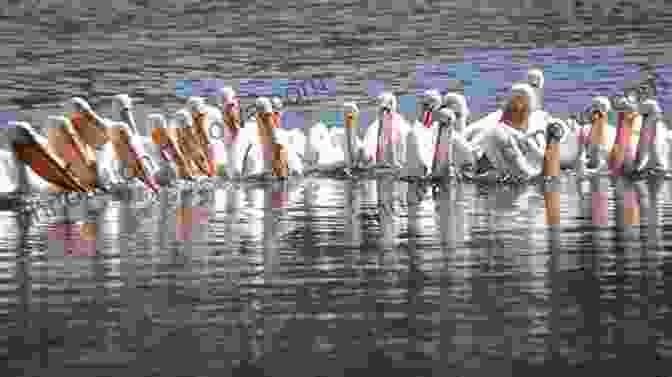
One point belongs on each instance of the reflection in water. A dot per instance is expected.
(318, 275)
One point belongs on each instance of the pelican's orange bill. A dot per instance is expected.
(350, 120)
(49, 167)
(85, 125)
(265, 128)
(276, 119)
(157, 136)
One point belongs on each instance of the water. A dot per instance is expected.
(331, 282)
(324, 277)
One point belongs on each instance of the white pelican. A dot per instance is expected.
(336, 148)
(596, 138)
(653, 147)
(231, 141)
(197, 162)
(266, 154)
(171, 160)
(321, 152)
(385, 138)
(535, 78)
(515, 144)
(346, 138)
(205, 118)
(31, 165)
(294, 140)
(623, 153)
(132, 152)
(421, 136)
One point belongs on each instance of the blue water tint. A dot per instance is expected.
(6, 117)
(279, 88)
(210, 87)
(408, 103)
(299, 88)
(292, 119)
(197, 87)
(183, 88)
(332, 119)
(375, 88)
(487, 74)
(364, 119)
(255, 88)
(329, 87)
(320, 87)
(664, 85)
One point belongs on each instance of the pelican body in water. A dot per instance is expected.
(266, 156)
(385, 138)
(513, 148)
(596, 139)
(337, 149)
(78, 154)
(535, 78)
(421, 137)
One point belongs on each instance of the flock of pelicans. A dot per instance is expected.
(84, 152)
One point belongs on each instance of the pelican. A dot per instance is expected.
(31, 165)
(419, 140)
(204, 117)
(535, 78)
(197, 162)
(515, 144)
(653, 147)
(271, 155)
(330, 150)
(596, 138)
(623, 153)
(132, 152)
(293, 140)
(452, 125)
(385, 138)
(322, 152)
(232, 143)
(172, 162)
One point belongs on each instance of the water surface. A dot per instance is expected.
(324, 277)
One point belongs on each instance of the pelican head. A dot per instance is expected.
(350, 108)
(387, 102)
(121, 102)
(556, 131)
(650, 108)
(350, 111)
(430, 100)
(228, 96)
(78, 104)
(156, 123)
(535, 77)
(525, 90)
(183, 118)
(446, 116)
(23, 132)
(457, 103)
(601, 104)
(277, 103)
(263, 105)
(196, 105)
(123, 105)
(156, 120)
(625, 103)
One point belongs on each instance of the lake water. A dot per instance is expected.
(325, 277)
